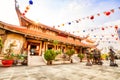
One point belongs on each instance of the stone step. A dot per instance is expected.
(35, 61)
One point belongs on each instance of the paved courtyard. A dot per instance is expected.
(75, 71)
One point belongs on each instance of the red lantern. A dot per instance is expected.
(112, 35)
(23, 14)
(92, 17)
(116, 38)
(107, 13)
(25, 11)
(103, 28)
(116, 27)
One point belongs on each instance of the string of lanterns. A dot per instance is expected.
(109, 41)
(100, 28)
(92, 17)
(102, 38)
(104, 28)
(115, 35)
(105, 37)
(28, 7)
(106, 13)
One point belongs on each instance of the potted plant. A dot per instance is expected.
(20, 58)
(1, 45)
(81, 56)
(49, 56)
(8, 56)
(70, 52)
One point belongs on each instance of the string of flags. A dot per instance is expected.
(28, 7)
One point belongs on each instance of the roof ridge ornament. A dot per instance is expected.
(16, 4)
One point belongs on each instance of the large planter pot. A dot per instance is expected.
(7, 63)
(19, 62)
(49, 62)
(71, 61)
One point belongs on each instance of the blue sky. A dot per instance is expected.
(57, 12)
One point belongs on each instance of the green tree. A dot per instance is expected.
(81, 56)
(50, 55)
(70, 52)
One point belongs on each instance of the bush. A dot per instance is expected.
(81, 55)
(70, 52)
(58, 52)
(49, 55)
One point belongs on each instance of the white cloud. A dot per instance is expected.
(51, 13)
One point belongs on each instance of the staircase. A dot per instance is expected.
(35, 61)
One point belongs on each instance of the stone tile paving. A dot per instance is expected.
(75, 71)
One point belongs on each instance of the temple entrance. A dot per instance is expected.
(34, 49)
(50, 46)
(34, 53)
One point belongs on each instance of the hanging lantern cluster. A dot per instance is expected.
(28, 7)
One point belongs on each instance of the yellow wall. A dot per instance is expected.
(18, 39)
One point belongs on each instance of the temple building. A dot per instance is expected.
(38, 37)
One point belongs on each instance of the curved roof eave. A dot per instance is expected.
(25, 31)
(20, 16)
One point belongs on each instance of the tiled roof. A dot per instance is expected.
(25, 31)
(24, 18)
